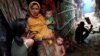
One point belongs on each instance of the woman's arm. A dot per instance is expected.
(28, 42)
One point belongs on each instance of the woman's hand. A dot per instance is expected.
(30, 35)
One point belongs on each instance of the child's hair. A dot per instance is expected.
(59, 37)
(48, 9)
(19, 26)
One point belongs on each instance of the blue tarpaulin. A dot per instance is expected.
(87, 8)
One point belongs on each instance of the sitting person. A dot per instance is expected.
(82, 33)
(20, 43)
(37, 24)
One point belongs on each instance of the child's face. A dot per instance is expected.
(59, 40)
(48, 13)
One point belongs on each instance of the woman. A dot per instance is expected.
(37, 24)
(36, 21)
(20, 43)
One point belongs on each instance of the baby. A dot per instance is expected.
(49, 19)
(50, 22)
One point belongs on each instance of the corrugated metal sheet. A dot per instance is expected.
(13, 9)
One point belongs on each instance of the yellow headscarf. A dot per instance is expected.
(31, 4)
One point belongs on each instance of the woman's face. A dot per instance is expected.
(35, 10)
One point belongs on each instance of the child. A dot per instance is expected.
(20, 43)
(49, 19)
(59, 47)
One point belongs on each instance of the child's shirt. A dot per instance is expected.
(51, 19)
